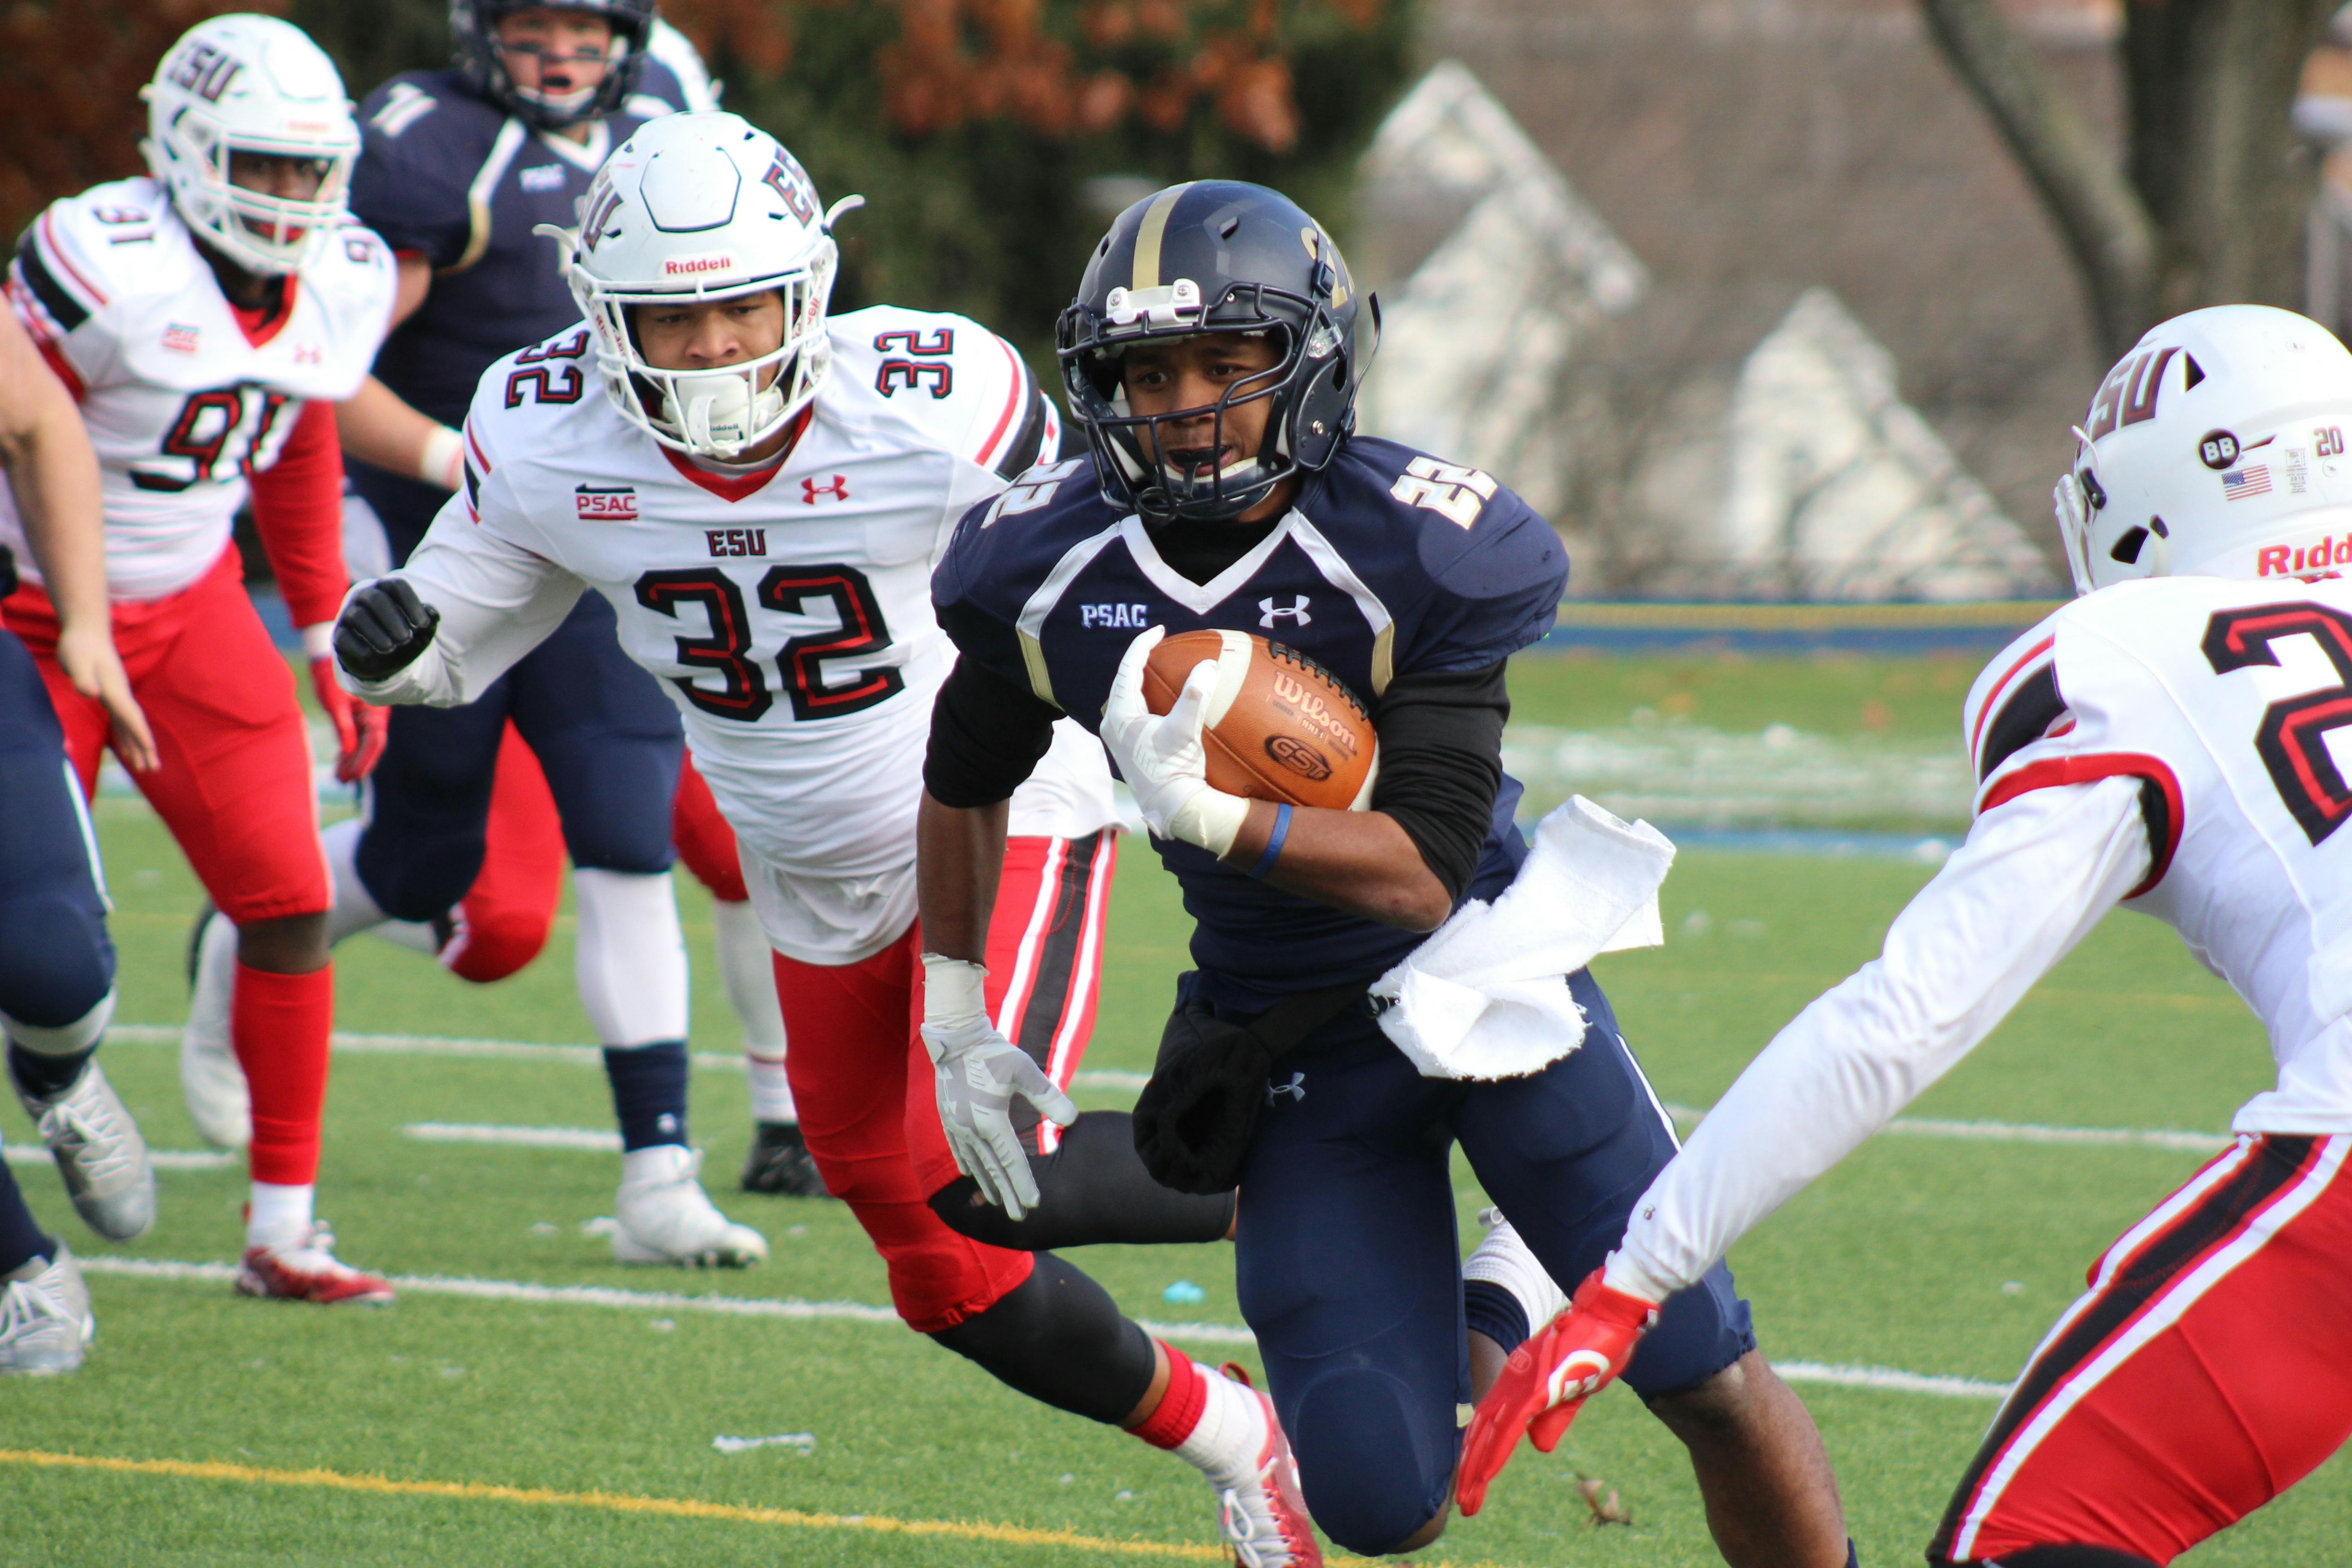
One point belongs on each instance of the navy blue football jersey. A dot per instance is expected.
(1390, 563)
(445, 174)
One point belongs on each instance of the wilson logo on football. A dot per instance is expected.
(1298, 756)
(607, 503)
(687, 266)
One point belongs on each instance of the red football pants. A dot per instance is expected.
(505, 916)
(2208, 1369)
(235, 788)
(863, 1081)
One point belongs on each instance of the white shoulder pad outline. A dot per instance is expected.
(966, 390)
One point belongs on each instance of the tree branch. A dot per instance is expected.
(2107, 230)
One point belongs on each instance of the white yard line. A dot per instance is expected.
(2028, 1132)
(590, 1138)
(161, 1159)
(524, 1050)
(1884, 1379)
(610, 1296)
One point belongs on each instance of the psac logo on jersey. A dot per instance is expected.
(692, 266)
(1119, 618)
(607, 503)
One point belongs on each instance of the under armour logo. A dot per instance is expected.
(838, 489)
(1297, 611)
(1295, 1088)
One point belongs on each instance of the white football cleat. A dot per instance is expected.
(309, 1270)
(661, 1214)
(99, 1152)
(1261, 1512)
(45, 1318)
(218, 1102)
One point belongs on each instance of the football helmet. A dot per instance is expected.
(1215, 256)
(474, 46)
(250, 84)
(704, 206)
(2215, 447)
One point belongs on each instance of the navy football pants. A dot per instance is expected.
(1350, 1267)
(55, 959)
(607, 739)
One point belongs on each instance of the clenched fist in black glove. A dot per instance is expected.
(384, 630)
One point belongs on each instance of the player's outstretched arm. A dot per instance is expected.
(377, 425)
(53, 474)
(978, 1073)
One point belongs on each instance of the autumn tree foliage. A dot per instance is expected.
(70, 71)
(990, 138)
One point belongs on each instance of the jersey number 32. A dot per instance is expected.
(743, 693)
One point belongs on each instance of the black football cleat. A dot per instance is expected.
(779, 1165)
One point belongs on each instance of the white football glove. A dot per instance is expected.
(979, 1072)
(1160, 758)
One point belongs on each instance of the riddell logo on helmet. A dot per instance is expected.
(688, 266)
(2288, 560)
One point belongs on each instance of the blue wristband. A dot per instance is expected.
(1273, 841)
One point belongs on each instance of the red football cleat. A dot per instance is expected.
(308, 1270)
(1264, 1516)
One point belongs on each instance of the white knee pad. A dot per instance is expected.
(63, 1039)
(631, 959)
(354, 910)
(747, 967)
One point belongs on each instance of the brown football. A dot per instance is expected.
(1279, 726)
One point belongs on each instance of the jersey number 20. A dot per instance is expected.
(743, 693)
(2293, 739)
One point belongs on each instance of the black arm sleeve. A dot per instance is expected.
(1442, 763)
(986, 737)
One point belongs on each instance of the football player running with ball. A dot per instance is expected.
(206, 319)
(760, 494)
(2161, 744)
(1210, 357)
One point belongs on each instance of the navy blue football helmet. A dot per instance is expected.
(473, 42)
(1214, 256)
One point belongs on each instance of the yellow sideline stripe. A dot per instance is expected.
(620, 1502)
(609, 1503)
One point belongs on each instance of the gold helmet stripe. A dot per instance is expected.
(1148, 233)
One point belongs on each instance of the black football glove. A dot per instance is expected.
(384, 630)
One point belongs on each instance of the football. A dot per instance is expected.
(1278, 727)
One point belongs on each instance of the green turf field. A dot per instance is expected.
(450, 1429)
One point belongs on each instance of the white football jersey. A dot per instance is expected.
(2170, 744)
(2231, 702)
(180, 403)
(787, 612)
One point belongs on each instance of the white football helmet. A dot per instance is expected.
(704, 206)
(2215, 447)
(250, 84)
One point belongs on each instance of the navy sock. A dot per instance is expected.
(21, 1240)
(1488, 1309)
(649, 1092)
(44, 1075)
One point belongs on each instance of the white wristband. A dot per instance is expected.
(1212, 819)
(444, 459)
(953, 988)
